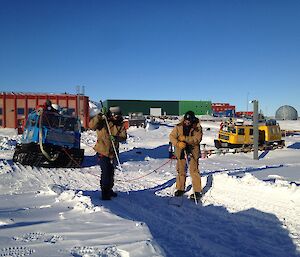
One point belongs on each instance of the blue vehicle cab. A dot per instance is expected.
(50, 139)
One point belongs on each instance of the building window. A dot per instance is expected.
(30, 110)
(0, 123)
(0, 111)
(20, 111)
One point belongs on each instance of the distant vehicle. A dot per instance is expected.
(152, 124)
(235, 135)
(50, 139)
(137, 119)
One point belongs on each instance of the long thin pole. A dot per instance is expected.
(114, 147)
(255, 129)
(188, 166)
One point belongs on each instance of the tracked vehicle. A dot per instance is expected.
(239, 135)
(50, 139)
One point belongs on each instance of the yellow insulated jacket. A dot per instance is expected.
(193, 139)
(104, 143)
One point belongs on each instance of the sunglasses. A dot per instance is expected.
(113, 114)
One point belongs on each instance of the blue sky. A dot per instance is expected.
(218, 50)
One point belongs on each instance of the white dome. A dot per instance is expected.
(286, 112)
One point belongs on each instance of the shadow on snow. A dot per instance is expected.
(263, 154)
(23, 224)
(241, 171)
(294, 146)
(139, 154)
(135, 154)
(89, 161)
(196, 230)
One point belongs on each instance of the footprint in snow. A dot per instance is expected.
(16, 251)
(38, 237)
(58, 189)
(90, 251)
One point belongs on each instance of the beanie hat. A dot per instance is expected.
(190, 115)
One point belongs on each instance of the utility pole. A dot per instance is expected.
(78, 101)
(255, 129)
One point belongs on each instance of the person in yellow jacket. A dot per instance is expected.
(186, 137)
(104, 145)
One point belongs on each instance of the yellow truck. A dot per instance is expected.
(235, 135)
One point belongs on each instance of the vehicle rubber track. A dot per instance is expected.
(31, 155)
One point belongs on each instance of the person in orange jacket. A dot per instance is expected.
(186, 137)
(104, 145)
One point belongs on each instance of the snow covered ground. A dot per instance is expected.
(250, 207)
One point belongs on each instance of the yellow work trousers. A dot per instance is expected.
(194, 172)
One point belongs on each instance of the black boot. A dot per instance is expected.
(106, 195)
(196, 195)
(179, 193)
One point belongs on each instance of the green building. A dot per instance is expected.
(160, 107)
(198, 107)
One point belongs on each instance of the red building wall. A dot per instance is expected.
(244, 114)
(222, 107)
(15, 106)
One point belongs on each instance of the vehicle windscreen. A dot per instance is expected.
(53, 120)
